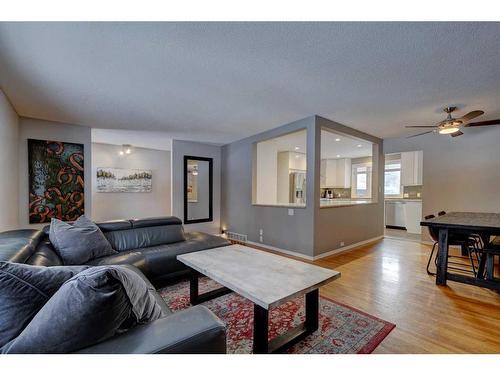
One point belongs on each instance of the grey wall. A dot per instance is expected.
(459, 174)
(179, 149)
(355, 223)
(294, 233)
(9, 163)
(49, 130)
(111, 206)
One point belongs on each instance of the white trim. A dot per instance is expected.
(279, 250)
(316, 257)
(348, 247)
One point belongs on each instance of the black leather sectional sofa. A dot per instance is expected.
(150, 247)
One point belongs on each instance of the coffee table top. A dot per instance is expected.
(266, 279)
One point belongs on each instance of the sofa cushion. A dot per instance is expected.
(163, 259)
(18, 245)
(80, 242)
(141, 237)
(160, 261)
(155, 221)
(45, 255)
(92, 306)
(24, 290)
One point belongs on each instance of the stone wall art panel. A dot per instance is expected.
(119, 180)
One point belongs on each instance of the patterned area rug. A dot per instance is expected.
(343, 329)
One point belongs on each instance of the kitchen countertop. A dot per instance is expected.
(341, 202)
(404, 199)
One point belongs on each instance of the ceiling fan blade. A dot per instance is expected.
(484, 123)
(421, 126)
(456, 134)
(416, 135)
(469, 116)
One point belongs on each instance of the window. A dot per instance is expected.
(361, 177)
(392, 178)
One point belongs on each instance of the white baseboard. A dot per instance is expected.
(280, 250)
(348, 247)
(316, 257)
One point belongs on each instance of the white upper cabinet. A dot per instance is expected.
(336, 173)
(297, 161)
(411, 168)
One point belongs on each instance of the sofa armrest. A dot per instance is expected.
(194, 330)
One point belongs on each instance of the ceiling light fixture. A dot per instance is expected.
(337, 139)
(338, 156)
(297, 148)
(448, 130)
(126, 150)
(359, 145)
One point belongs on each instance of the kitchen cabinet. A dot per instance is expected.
(335, 173)
(413, 217)
(411, 168)
(296, 160)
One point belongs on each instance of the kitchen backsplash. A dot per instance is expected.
(412, 191)
(337, 192)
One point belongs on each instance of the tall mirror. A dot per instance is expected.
(198, 188)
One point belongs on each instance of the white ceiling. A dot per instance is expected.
(345, 147)
(155, 140)
(219, 82)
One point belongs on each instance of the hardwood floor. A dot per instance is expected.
(388, 280)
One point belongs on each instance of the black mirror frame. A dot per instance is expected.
(211, 189)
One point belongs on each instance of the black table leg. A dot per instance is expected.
(260, 330)
(312, 311)
(490, 266)
(195, 297)
(193, 287)
(261, 344)
(442, 265)
(465, 250)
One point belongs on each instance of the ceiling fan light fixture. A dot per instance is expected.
(449, 130)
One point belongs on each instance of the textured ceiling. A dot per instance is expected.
(219, 82)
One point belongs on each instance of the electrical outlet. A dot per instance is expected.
(291, 212)
(342, 243)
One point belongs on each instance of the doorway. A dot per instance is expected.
(403, 185)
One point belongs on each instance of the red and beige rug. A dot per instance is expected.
(343, 329)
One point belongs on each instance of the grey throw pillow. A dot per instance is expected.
(24, 290)
(91, 307)
(80, 242)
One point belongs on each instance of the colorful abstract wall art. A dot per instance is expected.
(56, 181)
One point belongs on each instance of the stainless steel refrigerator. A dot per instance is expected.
(297, 187)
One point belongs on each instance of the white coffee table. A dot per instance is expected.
(267, 280)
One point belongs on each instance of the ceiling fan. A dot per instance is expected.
(452, 125)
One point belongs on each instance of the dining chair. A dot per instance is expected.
(487, 264)
(435, 237)
(468, 243)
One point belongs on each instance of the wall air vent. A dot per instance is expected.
(236, 237)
